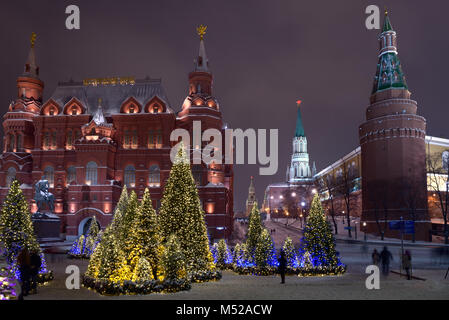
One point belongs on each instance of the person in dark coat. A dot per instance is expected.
(375, 256)
(23, 263)
(282, 265)
(407, 263)
(35, 265)
(385, 257)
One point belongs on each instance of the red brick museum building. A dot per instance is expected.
(91, 138)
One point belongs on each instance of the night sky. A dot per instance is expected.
(264, 55)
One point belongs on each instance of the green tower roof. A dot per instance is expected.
(299, 132)
(389, 74)
(387, 24)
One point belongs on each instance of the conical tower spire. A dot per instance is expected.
(299, 132)
(389, 74)
(99, 116)
(201, 62)
(31, 68)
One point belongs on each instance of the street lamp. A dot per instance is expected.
(301, 219)
(364, 230)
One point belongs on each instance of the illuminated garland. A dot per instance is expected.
(83, 247)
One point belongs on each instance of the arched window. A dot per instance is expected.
(71, 174)
(154, 179)
(10, 176)
(130, 176)
(49, 174)
(197, 172)
(91, 173)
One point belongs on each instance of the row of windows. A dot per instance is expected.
(130, 140)
(92, 175)
(154, 178)
(14, 142)
(75, 109)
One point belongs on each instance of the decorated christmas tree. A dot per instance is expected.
(124, 228)
(143, 238)
(120, 209)
(254, 230)
(265, 253)
(108, 260)
(318, 240)
(16, 227)
(222, 255)
(17, 232)
(290, 253)
(142, 271)
(173, 260)
(181, 214)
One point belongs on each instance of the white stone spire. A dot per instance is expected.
(99, 116)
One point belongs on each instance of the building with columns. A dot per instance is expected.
(91, 138)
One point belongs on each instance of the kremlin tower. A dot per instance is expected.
(393, 150)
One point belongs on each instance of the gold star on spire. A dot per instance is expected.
(201, 30)
(386, 11)
(33, 39)
(100, 101)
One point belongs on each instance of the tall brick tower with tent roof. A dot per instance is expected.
(393, 151)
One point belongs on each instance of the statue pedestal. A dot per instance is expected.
(46, 225)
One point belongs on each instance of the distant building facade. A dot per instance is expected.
(91, 138)
(291, 197)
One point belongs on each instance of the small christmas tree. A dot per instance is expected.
(181, 214)
(93, 228)
(108, 260)
(143, 239)
(289, 250)
(265, 253)
(318, 239)
(254, 230)
(173, 260)
(142, 271)
(223, 256)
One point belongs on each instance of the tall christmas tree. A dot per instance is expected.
(16, 227)
(124, 228)
(144, 235)
(265, 253)
(181, 214)
(318, 239)
(254, 230)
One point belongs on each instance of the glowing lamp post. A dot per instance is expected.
(364, 231)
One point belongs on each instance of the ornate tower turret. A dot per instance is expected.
(18, 124)
(392, 144)
(251, 197)
(299, 168)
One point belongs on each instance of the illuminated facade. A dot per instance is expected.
(91, 138)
